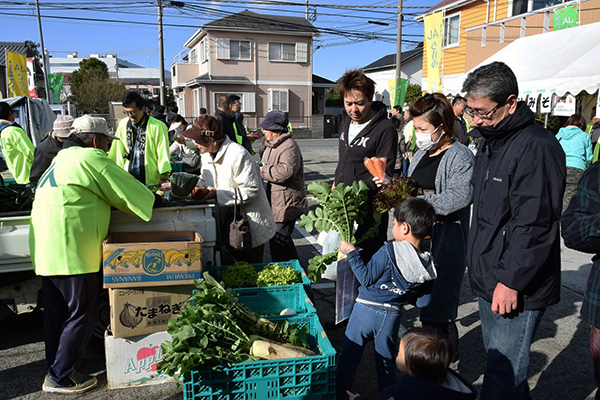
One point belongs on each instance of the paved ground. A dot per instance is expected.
(560, 362)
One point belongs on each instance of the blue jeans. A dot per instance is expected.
(369, 322)
(507, 340)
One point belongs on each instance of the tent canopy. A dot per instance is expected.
(563, 61)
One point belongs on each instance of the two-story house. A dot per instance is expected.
(265, 59)
(523, 34)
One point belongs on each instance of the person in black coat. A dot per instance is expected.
(225, 116)
(365, 131)
(49, 147)
(514, 241)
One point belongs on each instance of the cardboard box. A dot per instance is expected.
(141, 311)
(151, 259)
(132, 361)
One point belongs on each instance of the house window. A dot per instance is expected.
(233, 49)
(155, 91)
(193, 57)
(279, 99)
(291, 52)
(246, 98)
(451, 30)
(173, 71)
(204, 51)
(524, 6)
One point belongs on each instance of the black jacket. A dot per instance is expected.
(227, 122)
(519, 180)
(460, 129)
(378, 139)
(43, 156)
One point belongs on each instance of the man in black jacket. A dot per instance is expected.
(49, 148)
(230, 127)
(365, 132)
(514, 244)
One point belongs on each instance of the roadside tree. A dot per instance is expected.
(92, 88)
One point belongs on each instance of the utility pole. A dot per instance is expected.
(161, 54)
(399, 43)
(307, 9)
(44, 63)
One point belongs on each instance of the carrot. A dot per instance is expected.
(382, 162)
(378, 169)
(370, 166)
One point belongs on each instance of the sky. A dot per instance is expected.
(129, 28)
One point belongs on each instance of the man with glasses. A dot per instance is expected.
(514, 245)
(143, 148)
(238, 122)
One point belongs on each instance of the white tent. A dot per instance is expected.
(565, 61)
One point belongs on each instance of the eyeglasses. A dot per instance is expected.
(482, 115)
(130, 113)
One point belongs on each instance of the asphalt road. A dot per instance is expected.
(560, 364)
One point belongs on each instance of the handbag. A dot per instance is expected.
(239, 227)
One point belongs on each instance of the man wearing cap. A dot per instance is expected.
(143, 148)
(49, 147)
(17, 148)
(69, 221)
(283, 170)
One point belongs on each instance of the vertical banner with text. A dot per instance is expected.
(16, 74)
(434, 35)
(31, 77)
(398, 91)
(56, 84)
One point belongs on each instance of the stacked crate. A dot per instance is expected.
(149, 276)
(311, 377)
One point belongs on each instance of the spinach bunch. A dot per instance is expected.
(341, 208)
(214, 328)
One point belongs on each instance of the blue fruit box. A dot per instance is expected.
(217, 272)
(311, 377)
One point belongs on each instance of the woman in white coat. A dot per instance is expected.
(225, 166)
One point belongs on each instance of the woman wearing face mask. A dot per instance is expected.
(442, 169)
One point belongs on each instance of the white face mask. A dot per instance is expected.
(424, 139)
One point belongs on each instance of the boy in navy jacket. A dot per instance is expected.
(397, 273)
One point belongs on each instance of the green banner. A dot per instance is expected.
(565, 17)
(56, 83)
(398, 91)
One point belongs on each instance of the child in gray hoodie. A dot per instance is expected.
(398, 273)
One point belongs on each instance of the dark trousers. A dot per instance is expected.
(71, 312)
(282, 245)
(370, 246)
(252, 256)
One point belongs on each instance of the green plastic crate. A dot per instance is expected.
(217, 272)
(291, 378)
(273, 299)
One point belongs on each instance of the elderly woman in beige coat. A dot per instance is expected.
(283, 171)
(225, 166)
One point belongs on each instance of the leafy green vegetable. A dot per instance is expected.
(342, 208)
(393, 193)
(275, 275)
(214, 329)
(240, 275)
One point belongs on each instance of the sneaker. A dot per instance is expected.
(76, 383)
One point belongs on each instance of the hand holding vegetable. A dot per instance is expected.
(381, 181)
(376, 166)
